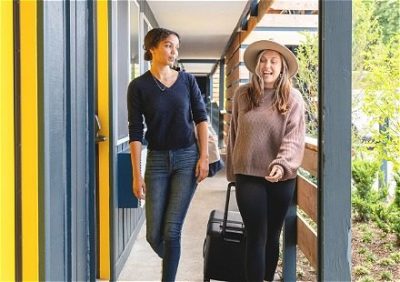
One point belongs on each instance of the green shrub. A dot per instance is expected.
(307, 80)
(367, 279)
(370, 257)
(363, 208)
(381, 215)
(387, 276)
(389, 246)
(396, 201)
(364, 174)
(367, 237)
(362, 250)
(369, 204)
(386, 262)
(395, 257)
(396, 228)
(361, 270)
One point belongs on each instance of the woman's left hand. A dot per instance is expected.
(276, 174)
(202, 169)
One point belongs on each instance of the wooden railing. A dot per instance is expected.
(301, 215)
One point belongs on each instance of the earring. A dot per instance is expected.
(280, 75)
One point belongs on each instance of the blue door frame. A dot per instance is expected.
(67, 140)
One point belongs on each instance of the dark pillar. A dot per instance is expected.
(334, 182)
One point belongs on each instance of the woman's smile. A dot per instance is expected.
(270, 67)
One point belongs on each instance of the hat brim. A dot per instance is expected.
(253, 50)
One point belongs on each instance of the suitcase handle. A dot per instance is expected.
(228, 195)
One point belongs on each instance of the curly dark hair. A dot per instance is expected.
(154, 37)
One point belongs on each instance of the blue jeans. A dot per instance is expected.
(170, 184)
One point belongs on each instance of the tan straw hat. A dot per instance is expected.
(254, 49)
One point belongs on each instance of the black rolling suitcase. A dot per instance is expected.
(224, 246)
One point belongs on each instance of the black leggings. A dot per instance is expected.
(263, 206)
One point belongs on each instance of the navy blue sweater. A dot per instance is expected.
(168, 114)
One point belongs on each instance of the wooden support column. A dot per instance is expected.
(334, 199)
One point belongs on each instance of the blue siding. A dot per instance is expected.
(125, 222)
(54, 142)
(64, 142)
(79, 120)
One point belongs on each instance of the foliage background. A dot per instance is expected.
(375, 81)
(375, 133)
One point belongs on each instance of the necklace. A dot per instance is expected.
(158, 85)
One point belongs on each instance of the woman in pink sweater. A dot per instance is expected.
(265, 149)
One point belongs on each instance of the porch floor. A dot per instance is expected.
(144, 265)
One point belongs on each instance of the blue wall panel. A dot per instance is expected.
(80, 117)
(126, 222)
(54, 142)
(65, 142)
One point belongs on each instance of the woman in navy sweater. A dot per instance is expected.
(168, 101)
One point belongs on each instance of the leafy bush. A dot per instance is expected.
(367, 279)
(361, 270)
(307, 80)
(395, 257)
(397, 190)
(364, 174)
(387, 276)
(386, 262)
(370, 204)
(395, 225)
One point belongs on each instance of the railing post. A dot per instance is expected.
(290, 241)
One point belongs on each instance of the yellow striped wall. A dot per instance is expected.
(29, 141)
(104, 147)
(7, 181)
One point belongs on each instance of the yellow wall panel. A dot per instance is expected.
(7, 181)
(104, 150)
(29, 141)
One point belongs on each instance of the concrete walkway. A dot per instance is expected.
(144, 265)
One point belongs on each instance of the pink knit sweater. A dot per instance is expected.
(263, 137)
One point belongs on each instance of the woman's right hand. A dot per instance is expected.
(139, 187)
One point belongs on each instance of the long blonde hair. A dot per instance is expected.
(282, 87)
